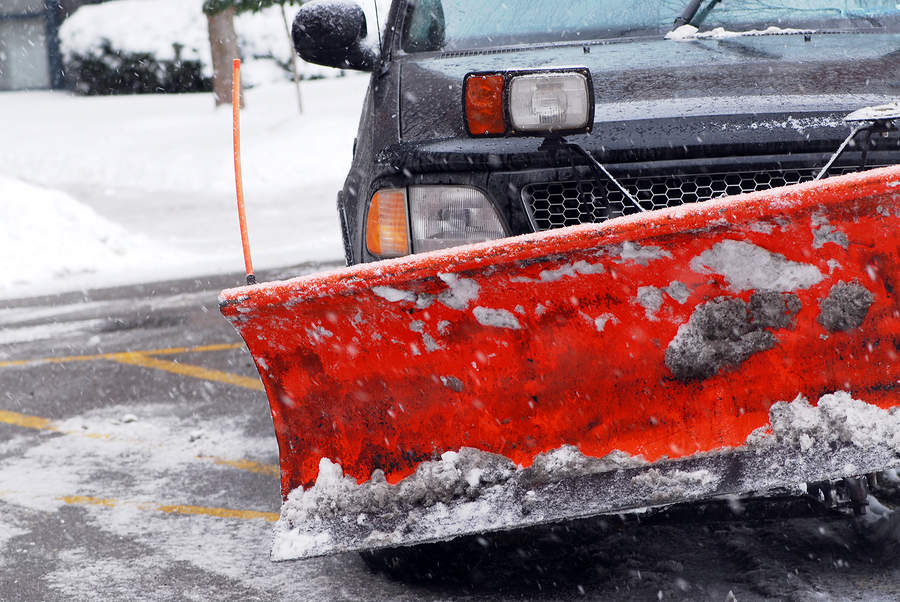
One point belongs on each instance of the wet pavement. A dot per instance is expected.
(137, 461)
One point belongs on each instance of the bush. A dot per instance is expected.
(110, 71)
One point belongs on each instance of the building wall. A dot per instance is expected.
(28, 45)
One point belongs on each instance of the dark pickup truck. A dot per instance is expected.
(487, 119)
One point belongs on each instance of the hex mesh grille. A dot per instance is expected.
(558, 204)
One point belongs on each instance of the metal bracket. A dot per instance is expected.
(552, 144)
(872, 120)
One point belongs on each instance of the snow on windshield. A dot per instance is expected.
(456, 24)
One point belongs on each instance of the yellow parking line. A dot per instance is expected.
(82, 500)
(113, 356)
(146, 361)
(247, 465)
(26, 421)
(43, 424)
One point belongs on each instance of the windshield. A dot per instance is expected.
(464, 24)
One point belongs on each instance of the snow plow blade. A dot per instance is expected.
(649, 360)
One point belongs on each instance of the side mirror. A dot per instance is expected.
(332, 33)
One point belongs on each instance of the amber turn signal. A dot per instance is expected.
(484, 104)
(387, 227)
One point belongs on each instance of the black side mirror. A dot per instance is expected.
(332, 33)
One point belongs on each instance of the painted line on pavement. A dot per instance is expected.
(146, 361)
(41, 424)
(44, 424)
(246, 465)
(113, 356)
(26, 421)
(181, 509)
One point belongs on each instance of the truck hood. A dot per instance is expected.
(759, 78)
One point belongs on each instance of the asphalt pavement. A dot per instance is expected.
(138, 462)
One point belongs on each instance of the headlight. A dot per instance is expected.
(440, 216)
(449, 216)
(529, 103)
(547, 102)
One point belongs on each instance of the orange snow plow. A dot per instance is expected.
(735, 346)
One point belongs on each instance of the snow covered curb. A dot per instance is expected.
(472, 491)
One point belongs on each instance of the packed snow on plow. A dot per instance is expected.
(738, 346)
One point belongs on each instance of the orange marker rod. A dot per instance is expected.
(238, 179)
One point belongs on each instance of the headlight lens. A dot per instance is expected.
(449, 216)
(549, 102)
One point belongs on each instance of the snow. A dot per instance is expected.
(101, 191)
(39, 332)
(579, 267)
(643, 255)
(46, 233)
(472, 491)
(885, 111)
(460, 292)
(8, 532)
(689, 32)
(826, 233)
(565, 271)
(679, 483)
(651, 299)
(461, 488)
(837, 417)
(601, 321)
(394, 295)
(497, 318)
(749, 267)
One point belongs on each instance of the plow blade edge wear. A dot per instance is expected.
(726, 347)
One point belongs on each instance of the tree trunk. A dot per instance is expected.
(224, 46)
(294, 71)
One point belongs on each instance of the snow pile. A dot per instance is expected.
(456, 474)
(170, 29)
(161, 167)
(689, 32)
(48, 236)
(568, 461)
(469, 485)
(837, 418)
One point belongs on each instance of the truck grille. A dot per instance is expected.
(558, 204)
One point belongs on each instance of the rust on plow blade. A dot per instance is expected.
(479, 388)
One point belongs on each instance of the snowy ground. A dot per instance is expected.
(97, 191)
